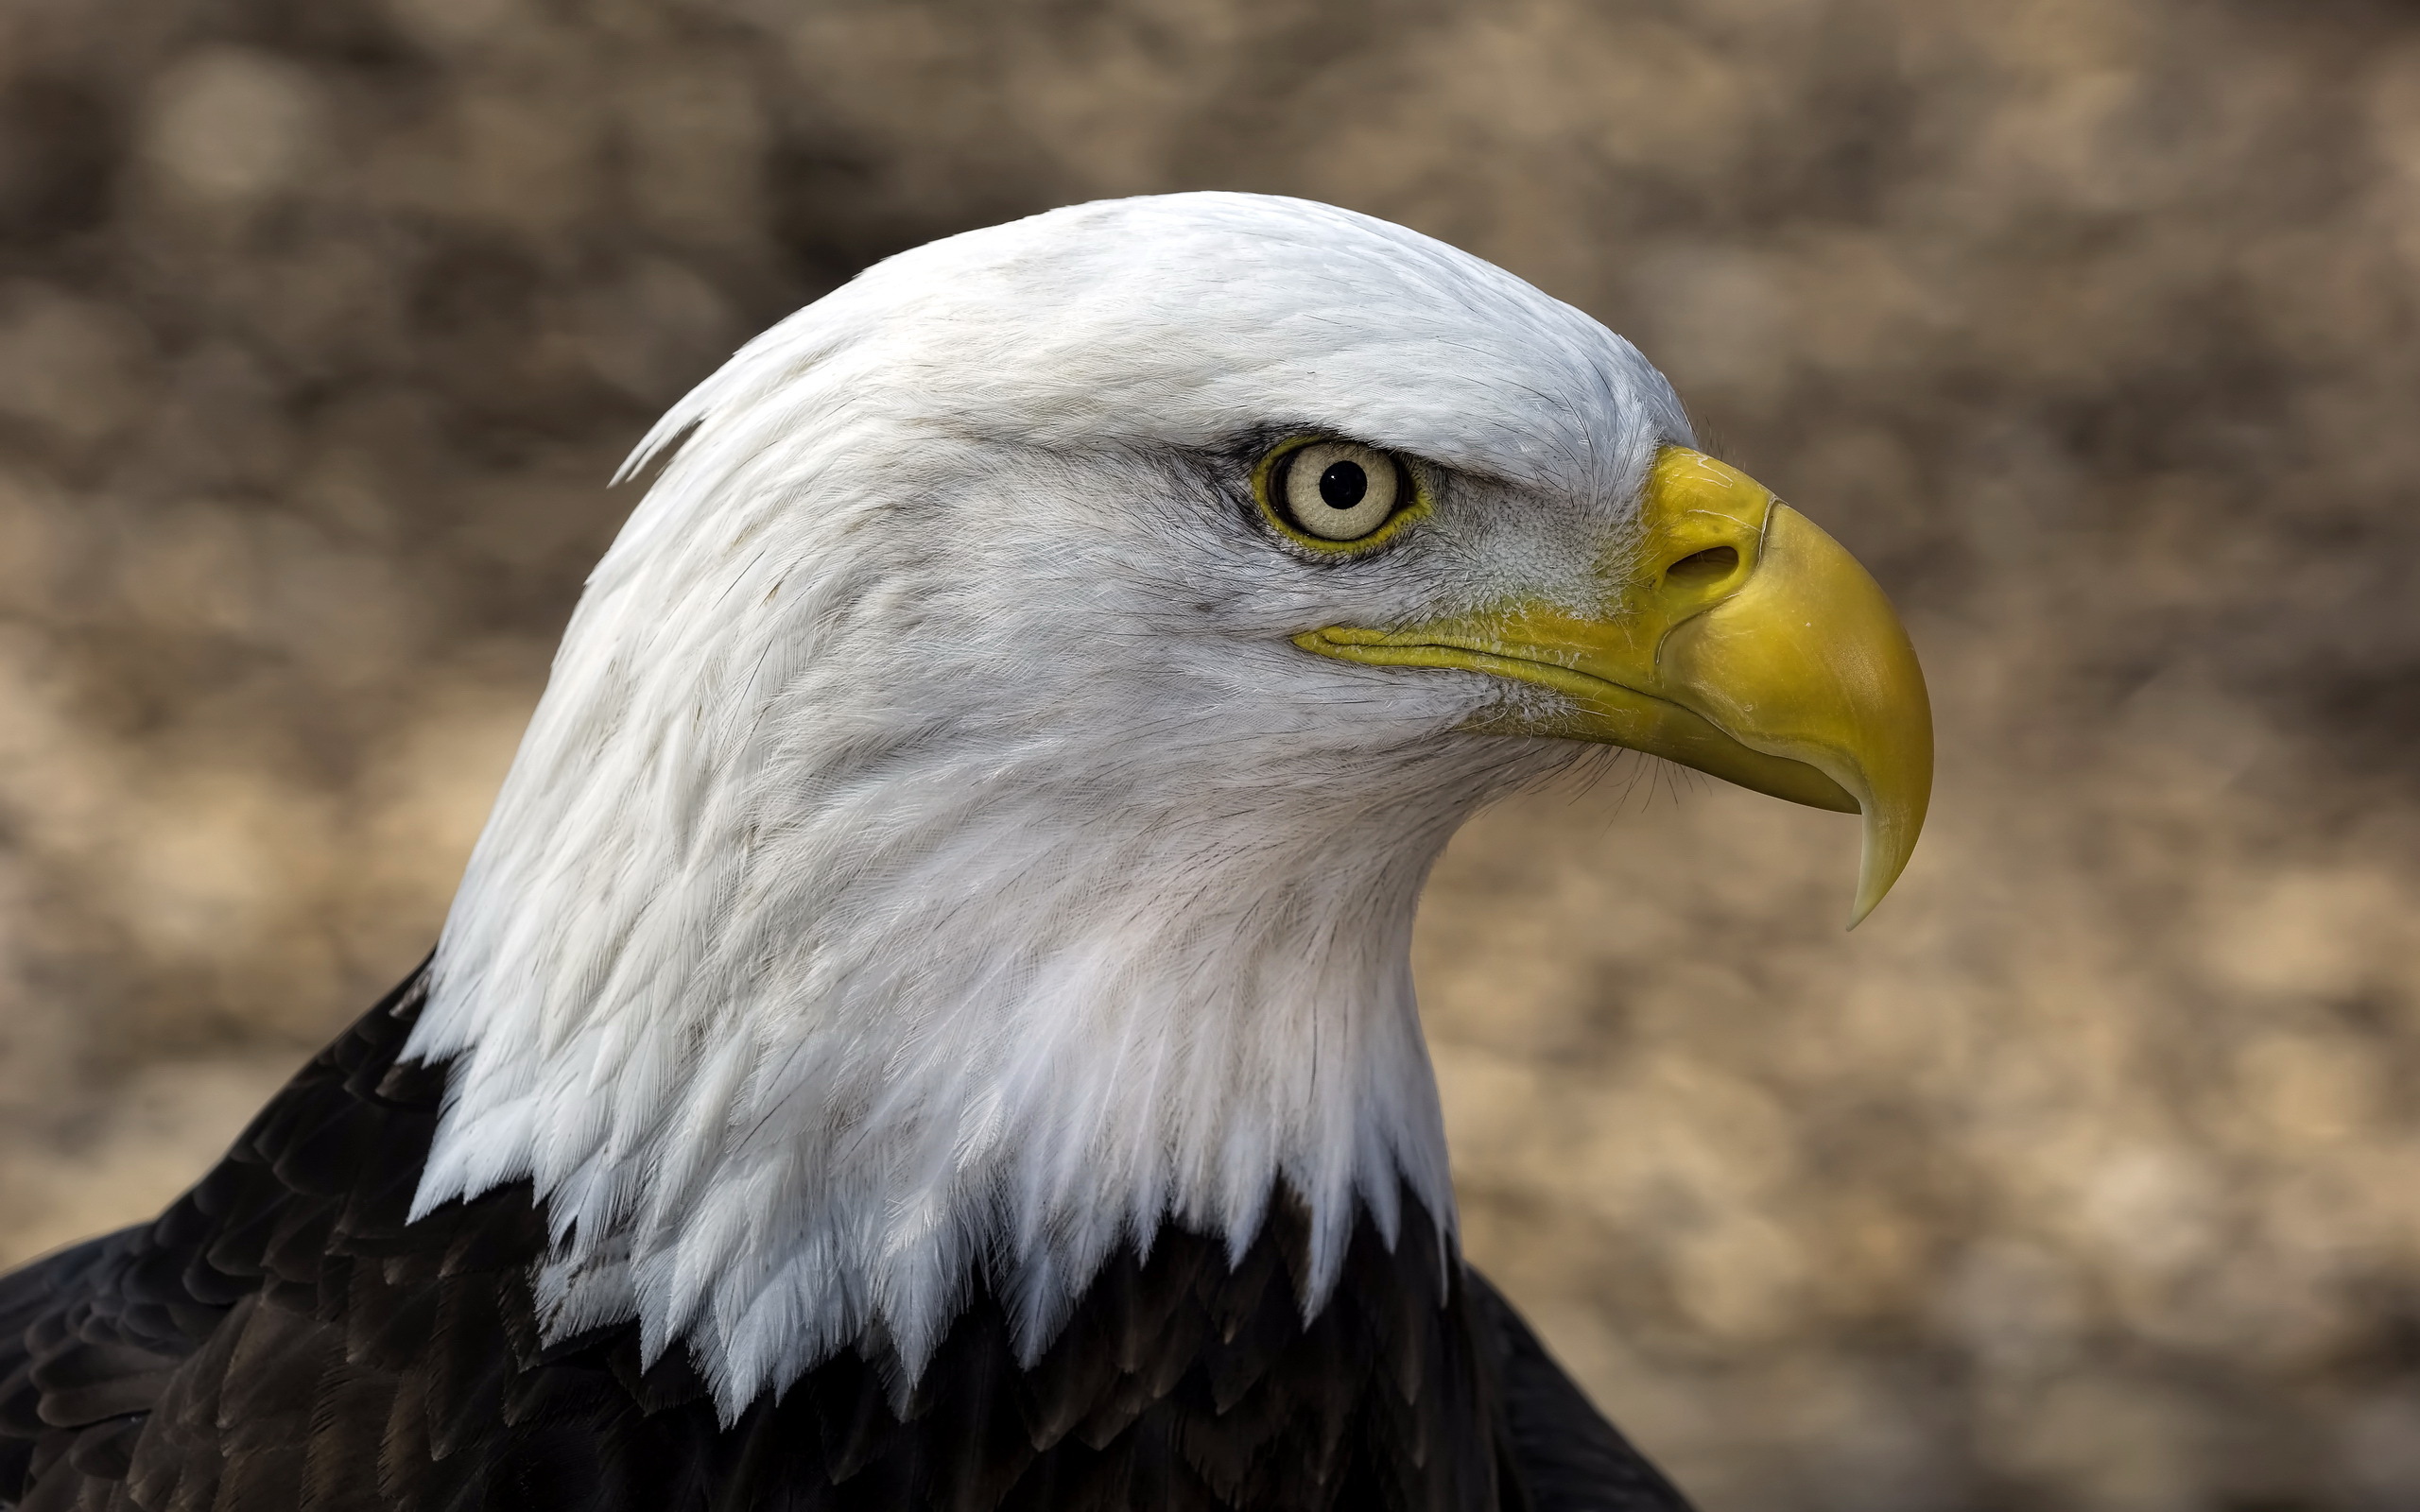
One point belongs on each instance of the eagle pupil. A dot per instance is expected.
(1342, 485)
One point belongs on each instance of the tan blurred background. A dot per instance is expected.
(2086, 1176)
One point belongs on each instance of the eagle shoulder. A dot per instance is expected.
(285, 1336)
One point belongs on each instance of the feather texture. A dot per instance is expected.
(216, 1359)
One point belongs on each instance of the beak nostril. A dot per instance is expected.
(1710, 565)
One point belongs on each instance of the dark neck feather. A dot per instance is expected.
(410, 1370)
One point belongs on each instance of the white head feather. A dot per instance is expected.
(931, 857)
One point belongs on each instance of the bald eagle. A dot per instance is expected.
(928, 1022)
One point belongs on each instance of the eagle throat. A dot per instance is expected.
(939, 1025)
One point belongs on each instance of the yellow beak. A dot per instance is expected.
(1734, 637)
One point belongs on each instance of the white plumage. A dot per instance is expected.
(931, 855)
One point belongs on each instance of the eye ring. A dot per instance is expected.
(1337, 496)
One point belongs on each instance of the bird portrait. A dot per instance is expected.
(929, 1022)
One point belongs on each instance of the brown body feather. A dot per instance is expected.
(284, 1338)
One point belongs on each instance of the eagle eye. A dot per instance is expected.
(1335, 494)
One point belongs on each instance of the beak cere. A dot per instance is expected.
(1735, 637)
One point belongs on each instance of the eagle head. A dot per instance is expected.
(979, 809)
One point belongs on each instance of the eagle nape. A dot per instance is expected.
(928, 1023)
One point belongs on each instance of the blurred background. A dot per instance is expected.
(2086, 1176)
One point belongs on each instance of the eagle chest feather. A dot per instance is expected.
(284, 1337)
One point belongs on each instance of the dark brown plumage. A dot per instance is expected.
(282, 1338)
